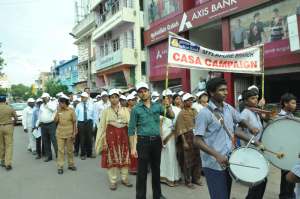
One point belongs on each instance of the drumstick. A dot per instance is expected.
(244, 166)
(249, 142)
(280, 155)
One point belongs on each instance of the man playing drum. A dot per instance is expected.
(294, 177)
(214, 141)
(250, 99)
(288, 103)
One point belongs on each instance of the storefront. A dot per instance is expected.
(230, 25)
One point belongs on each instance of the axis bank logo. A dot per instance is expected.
(159, 54)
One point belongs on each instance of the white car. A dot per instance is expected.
(19, 107)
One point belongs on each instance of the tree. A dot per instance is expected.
(3, 91)
(53, 88)
(1, 62)
(20, 90)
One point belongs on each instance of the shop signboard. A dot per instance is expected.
(264, 25)
(183, 53)
(207, 12)
(109, 60)
(159, 59)
(277, 48)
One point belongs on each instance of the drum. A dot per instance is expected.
(251, 157)
(283, 135)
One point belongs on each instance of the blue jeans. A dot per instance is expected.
(48, 136)
(218, 182)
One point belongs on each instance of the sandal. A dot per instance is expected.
(126, 183)
(198, 183)
(113, 187)
(191, 186)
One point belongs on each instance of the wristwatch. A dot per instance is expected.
(252, 141)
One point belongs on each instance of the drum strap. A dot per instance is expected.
(223, 124)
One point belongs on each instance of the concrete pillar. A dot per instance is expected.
(138, 46)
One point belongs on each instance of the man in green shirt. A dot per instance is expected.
(145, 116)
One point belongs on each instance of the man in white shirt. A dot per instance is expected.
(47, 114)
(210, 76)
(90, 100)
(197, 105)
(27, 122)
(103, 104)
(58, 95)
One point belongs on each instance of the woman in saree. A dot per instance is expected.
(112, 139)
(187, 154)
(169, 168)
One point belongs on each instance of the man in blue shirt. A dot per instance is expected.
(213, 140)
(35, 117)
(85, 124)
(201, 85)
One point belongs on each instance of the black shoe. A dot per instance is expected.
(47, 159)
(162, 197)
(72, 168)
(75, 154)
(8, 167)
(29, 150)
(38, 157)
(60, 171)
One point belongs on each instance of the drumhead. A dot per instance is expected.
(283, 135)
(249, 157)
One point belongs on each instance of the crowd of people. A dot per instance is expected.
(175, 135)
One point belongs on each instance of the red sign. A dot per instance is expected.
(159, 59)
(196, 16)
(200, 2)
(277, 48)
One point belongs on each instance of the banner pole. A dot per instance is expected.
(166, 96)
(263, 87)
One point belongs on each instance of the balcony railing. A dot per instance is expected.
(115, 7)
(117, 45)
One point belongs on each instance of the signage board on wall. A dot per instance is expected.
(207, 12)
(266, 24)
(159, 59)
(186, 54)
(109, 60)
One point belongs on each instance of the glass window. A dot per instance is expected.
(75, 67)
(116, 45)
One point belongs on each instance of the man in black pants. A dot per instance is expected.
(86, 123)
(145, 116)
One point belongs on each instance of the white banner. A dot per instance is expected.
(183, 53)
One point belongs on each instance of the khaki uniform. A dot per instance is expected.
(6, 133)
(64, 134)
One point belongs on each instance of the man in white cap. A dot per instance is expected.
(101, 106)
(155, 95)
(27, 122)
(47, 114)
(88, 91)
(98, 97)
(58, 95)
(85, 124)
(196, 105)
(145, 116)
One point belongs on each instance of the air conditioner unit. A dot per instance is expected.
(107, 36)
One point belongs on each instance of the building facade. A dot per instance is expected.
(217, 25)
(69, 74)
(6, 84)
(118, 43)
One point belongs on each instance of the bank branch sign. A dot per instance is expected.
(183, 53)
(108, 60)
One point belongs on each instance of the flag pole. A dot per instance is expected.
(166, 96)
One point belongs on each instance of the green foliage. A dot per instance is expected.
(1, 62)
(53, 88)
(20, 90)
(3, 91)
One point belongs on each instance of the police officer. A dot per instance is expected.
(6, 132)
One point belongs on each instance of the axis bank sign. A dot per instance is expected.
(196, 16)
